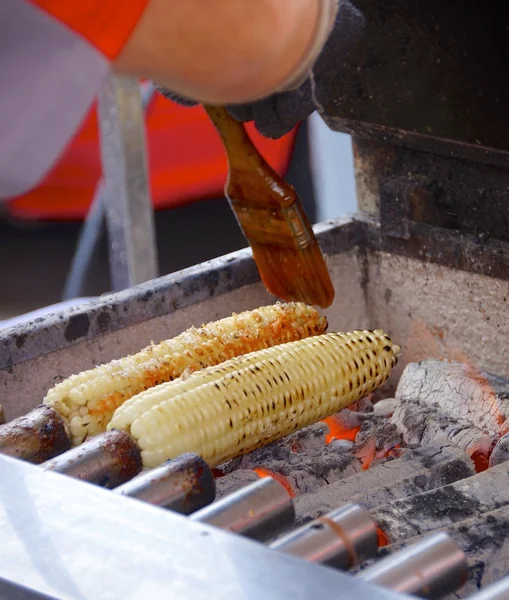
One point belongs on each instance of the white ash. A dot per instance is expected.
(500, 453)
(304, 458)
(423, 424)
(485, 541)
(459, 391)
(416, 471)
(385, 408)
(438, 508)
(234, 481)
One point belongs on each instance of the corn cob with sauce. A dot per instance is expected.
(244, 403)
(88, 400)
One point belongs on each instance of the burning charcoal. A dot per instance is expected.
(364, 405)
(344, 425)
(500, 453)
(460, 391)
(416, 471)
(385, 408)
(375, 441)
(421, 424)
(342, 445)
(303, 458)
(438, 508)
(485, 541)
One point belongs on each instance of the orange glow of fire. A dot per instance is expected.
(481, 460)
(338, 431)
(383, 540)
(262, 473)
(368, 453)
(432, 344)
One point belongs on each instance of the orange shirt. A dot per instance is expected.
(106, 24)
(49, 154)
(186, 163)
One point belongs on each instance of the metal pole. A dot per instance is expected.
(129, 212)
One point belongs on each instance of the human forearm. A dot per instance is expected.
(224, 51)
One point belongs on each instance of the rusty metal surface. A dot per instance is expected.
(433, 68)
(184, 485)
(403, 184)
(35, 437)
(107, 460)
(343, 538)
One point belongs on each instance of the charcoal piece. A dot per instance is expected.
(416, 471)
(385, 408)
(376, 438)
(459, 391)
(423, 424)
(485, 541)
(437, 508)
(304, 458)
(500, 453)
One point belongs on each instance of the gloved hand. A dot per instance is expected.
(278, 114)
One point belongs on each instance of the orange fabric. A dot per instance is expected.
(186, 160)
(107, 24)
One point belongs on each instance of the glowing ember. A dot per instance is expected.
(383, 540)
(261, 472)
(342, 427)
(481, 460)
(368, 452)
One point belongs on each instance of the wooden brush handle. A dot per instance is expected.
(251, 178)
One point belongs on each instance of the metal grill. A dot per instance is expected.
(426, 258)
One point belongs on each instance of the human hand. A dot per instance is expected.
(278, 114)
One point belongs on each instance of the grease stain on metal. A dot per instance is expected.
(103, 320)
(77, 327)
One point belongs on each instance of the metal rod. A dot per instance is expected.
(93, 228)
(495, 591)
(129, 211)
(184, 485)
(35, 437)
(342, 538)
(260, 511)
(108, 460)
(431, 569)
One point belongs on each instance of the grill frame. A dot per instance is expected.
(368, 268)
(58, 524)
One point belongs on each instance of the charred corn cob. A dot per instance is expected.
(235, 407)
(88, 400)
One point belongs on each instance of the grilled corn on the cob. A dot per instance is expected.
(88, 400)
(230, 409)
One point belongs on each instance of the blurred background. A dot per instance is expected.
(39, 232)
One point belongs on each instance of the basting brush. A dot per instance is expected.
(269, 212)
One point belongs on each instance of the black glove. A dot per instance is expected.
(278, 114)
